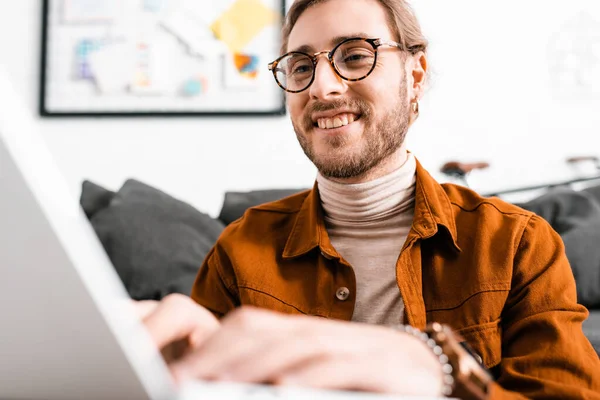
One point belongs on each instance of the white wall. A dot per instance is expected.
(492, 97)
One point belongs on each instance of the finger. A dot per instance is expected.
(214, 358)
(306, 339)
(282, 353)
(177, 317)
(327, 373)
(376, 374)
(243, 333)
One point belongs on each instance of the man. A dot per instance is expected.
(380, 243)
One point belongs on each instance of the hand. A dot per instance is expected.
(258, 346)
(177, 324)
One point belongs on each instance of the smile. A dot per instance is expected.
(337, 121)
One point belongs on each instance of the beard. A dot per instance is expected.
(380, 138)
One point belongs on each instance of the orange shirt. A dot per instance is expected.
(495, 273)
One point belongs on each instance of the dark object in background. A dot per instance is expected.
(94, 198)
(236, 203)
(575, 215)
(155, 242)
(594, 191)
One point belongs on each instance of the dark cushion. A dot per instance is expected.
(236, 203)
(594, 191)
(94, 198)
(575, 215)
(591, 328)
(155, 242)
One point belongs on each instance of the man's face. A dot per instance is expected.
(376, 108)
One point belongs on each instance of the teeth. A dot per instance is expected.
(336, 122)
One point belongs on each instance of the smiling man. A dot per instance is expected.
(422, 288)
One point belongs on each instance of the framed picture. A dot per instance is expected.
(160, 57)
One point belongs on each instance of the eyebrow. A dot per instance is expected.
(335, 41)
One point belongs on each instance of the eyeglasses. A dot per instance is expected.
(352, 60)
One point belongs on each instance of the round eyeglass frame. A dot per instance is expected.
(375, 43)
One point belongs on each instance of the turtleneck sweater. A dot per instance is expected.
(368, 224)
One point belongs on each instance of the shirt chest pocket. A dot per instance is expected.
(474, 315)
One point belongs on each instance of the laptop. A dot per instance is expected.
(68, 329)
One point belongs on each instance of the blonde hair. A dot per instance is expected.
(401, 19)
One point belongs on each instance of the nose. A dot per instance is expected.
(327, 84)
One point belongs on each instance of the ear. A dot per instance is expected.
(418, 71)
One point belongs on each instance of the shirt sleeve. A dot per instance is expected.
(214, 287)
(544, 351)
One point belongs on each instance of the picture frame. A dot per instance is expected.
(129, 58)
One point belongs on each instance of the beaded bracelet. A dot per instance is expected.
(448, 379)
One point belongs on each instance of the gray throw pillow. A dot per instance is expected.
(155, 242)
(236, 203)
(594, 191)
(94, 198)
(575, 215)
(591, 329)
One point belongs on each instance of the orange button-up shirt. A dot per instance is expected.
(495, 273)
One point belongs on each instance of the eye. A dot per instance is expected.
(300, 69)
(355, 57)
(356, 54)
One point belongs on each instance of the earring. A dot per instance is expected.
(415, 107)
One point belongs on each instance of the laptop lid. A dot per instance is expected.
(67, 328)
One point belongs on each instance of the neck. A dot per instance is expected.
(368, 202)
(388, 165)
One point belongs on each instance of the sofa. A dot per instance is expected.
(157, 242)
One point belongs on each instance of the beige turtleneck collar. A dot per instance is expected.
(365, 203)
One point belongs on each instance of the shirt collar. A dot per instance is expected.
(432, 210)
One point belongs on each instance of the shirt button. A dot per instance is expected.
(342, 293)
